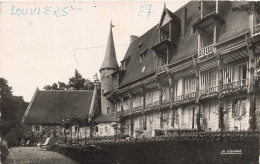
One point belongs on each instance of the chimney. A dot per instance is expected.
(96, 82)
(183, 21)
(133, 38)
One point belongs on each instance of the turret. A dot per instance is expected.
(108, 66)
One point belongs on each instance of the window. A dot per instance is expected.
(126, 104)
(118, 106)
(106, 129)
(239, 107)
(142, 57)
(141, 123)
(162, 59)
(213, 79)
(137, 101)
(76, 128)
(123, 66)
(108, 110)
(240, 72)
(256, 18)
(189, 85)
(37, 128)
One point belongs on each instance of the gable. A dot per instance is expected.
(166, 18)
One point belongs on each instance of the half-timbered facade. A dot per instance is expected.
(195, 59)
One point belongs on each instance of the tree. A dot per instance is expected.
(77, 82)
(62, 85)
(89, 85)
(12, 109)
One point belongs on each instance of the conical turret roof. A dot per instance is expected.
(110, 57)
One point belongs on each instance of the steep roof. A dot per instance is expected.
(110, 57)
(50, 107)
(105, 118)
(186, 45)
(134, 68)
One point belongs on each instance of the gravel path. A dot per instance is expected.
(33, 155)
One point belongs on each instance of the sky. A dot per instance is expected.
(44, 42)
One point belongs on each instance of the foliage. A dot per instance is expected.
(234, 90)
(12, 109)
(77, 82)
(209, 94)
(204, 149)
(257, 74)
(221, 114)
(252, 114)
(4, 151)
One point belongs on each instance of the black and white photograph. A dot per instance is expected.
(128, 82)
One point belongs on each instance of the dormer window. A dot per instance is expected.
(123, 65)
(142, 56)
(206, 41)
(164, 33)
(207, 7)
(208, 28)
(140, 45)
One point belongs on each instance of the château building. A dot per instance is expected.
(179, 73)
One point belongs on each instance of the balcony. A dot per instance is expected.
(164, 37)
(125, 112)
(184, 99)
(256, 30)
(235, 87)
(151, 106)
(205, 51)
(137, 109)
(209, 92)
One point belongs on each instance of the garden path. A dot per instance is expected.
(33, 155)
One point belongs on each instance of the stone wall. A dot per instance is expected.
(106, 85)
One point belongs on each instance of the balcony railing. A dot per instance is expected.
(137, 109)
(206, 50)
(189, 96)
(126, 112)
(240, 84)
(162, 69)
(164, 37)
(256, 30)
(209, 91)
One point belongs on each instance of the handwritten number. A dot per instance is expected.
(149, 10)
(141, 10)
(145, 7)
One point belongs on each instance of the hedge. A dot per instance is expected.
(180, 150)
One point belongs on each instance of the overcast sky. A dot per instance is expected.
(44, 42)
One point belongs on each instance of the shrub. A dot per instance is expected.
(4, 150)
(205, 148)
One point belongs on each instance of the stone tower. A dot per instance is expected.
(108, 66)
